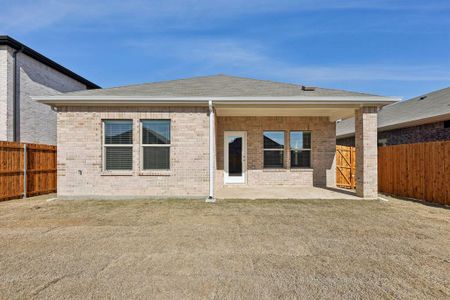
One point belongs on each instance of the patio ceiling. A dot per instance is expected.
(333, 113)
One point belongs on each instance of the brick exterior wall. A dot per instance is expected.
(37, 121)
(415, 134)
(80, 173)
(366, 152)
(3, 93)
(323, 150)
(80, 151)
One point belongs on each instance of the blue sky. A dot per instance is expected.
(387, 47)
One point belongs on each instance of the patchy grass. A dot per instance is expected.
(231, 249)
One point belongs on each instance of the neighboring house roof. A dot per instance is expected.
(9, 41)
(215, 86)
(428, 108)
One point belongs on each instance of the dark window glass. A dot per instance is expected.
(300, 158)
(447, 124)
(118, 132)
(273, 149)
(235, 156)
(156, 132)
(273, 139)
(300, 144)
(273, 159)
(119, 158)
(300, 140)
(156, 158)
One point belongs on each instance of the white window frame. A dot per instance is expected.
(142, 146)
(300, 149)
(104, 145)
(280, 150)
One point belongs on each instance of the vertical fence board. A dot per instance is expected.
(11, 170)
(41, 170)
(345, 167)
(419, 171)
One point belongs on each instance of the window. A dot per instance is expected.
(273, 149)
(300, 144)
(118, 145)
(156, 144)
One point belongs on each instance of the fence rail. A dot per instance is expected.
(26, 170)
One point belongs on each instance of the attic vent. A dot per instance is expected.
(308, 88)
(422, 98)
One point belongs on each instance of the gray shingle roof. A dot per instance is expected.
(216, 85)
(418, 110)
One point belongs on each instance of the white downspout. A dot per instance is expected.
(212, 152)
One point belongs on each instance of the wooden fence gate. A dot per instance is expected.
(345, 167)
(26, 170)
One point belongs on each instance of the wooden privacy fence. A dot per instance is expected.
(420, 171)
(345, 167)
(26, 170)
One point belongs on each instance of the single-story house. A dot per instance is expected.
(25, 72)
(421, 119)
(189, 137)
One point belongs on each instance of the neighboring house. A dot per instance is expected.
(25, 73)
(422, 119)
(188, 137)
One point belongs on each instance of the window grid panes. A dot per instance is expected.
(273, 149)
(118, 145)
(155, 144)
(300, 149)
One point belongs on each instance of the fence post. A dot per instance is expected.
(25, 170)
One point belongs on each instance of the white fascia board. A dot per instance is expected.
(71, 100)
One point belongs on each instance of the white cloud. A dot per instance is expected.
(29, 15)
(248, 57)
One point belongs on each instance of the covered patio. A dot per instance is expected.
(246, 134)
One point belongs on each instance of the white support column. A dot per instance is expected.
(212, 152)
(366, 152)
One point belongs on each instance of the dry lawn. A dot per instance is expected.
(231, 249)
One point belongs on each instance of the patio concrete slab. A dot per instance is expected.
(283, 192)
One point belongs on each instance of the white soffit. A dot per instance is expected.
(332, 113)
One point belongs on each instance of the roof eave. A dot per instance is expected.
(61, 100)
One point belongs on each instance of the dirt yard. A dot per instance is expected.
(232, 249)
